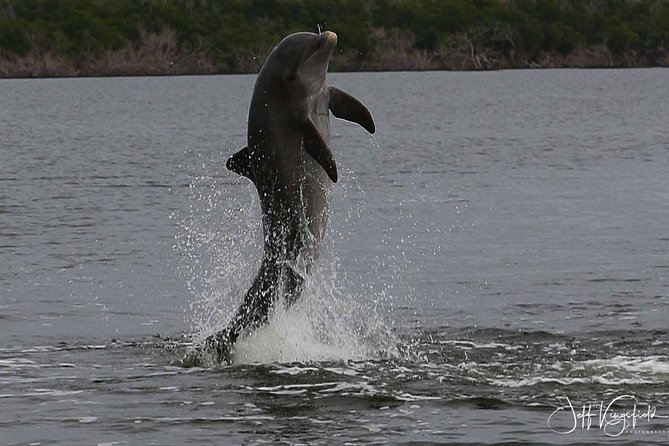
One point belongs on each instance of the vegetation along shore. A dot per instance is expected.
(41, 38)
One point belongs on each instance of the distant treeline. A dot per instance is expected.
(136, 37)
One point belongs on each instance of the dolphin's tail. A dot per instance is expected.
(274, 279)
(217, 345)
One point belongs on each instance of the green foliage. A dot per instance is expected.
(13, 36)
(235, 33)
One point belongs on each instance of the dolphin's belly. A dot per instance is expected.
(296, 204)
(294, 189)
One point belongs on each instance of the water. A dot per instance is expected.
(497, 250)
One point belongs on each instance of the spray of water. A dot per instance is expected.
(220, 241)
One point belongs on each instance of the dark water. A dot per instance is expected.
(499, 249)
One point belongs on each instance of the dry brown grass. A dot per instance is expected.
(35, 64)
(160, 55)
(155, 55)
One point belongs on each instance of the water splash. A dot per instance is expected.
(220, 241)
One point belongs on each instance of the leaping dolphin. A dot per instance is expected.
(289, 161)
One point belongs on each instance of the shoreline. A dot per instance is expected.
(180, 37)
(427, 70)
(551, 62)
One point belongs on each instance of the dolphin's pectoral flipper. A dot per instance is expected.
(345, 106)
(240, 163)
(316, 146)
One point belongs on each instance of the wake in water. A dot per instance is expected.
(470, 386)
(220, 242)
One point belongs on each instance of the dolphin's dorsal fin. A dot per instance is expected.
(345, 106)
(315, 146)
(240, 163)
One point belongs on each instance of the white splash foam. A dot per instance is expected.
(616, 371)
(649, 365)
(216, 242)
(221, 242)
(311, 331)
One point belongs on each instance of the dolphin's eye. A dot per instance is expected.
(290, 78)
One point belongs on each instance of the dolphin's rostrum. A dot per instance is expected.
(288, 159)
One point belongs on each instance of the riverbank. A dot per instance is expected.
(155, 58)
(154, 37)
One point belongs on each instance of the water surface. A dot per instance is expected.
(497, 249)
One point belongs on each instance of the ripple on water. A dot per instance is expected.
(447, 372)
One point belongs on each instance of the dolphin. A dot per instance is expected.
(288, 159)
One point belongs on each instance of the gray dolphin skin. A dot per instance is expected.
(289, 161)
